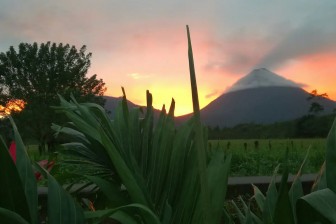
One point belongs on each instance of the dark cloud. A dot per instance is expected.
(236, 55)
(315, 35)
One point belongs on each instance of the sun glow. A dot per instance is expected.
(13, 105)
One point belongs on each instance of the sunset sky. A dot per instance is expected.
(142, 45)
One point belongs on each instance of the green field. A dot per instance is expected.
(258, 159)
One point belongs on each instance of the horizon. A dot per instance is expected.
(144, 46)
(240, 88)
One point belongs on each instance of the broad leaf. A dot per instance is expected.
(317, 207)
(10, 217)
(12, 193)
(26, 173)
(61, 206)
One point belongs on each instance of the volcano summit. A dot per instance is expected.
(261, 78)
(261, 97)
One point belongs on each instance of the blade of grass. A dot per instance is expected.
(199, 143)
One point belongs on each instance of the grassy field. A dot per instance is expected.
(257, 157)
(260, 157)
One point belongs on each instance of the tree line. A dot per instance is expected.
(308, 126)
(37, 74)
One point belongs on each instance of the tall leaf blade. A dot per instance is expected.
(271, 199)
(12, 193)
(259, 197)
(331, 158)
(199, 142)
(320, 180)
(283, 212)
(296, 190)
(26, 173)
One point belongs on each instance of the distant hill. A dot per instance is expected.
(111, 104)
(261, 97)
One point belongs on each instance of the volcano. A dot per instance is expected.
(261, 97)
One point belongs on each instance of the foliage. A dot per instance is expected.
(36, 74)
(149, 174)
(18, 191)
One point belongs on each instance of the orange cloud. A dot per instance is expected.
(317, 71)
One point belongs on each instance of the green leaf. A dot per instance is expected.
(102, 131)
(123, 217)
(218, 174)
(241, 216)
(271, 199)
(296, 190)
(331, 158)
(10, 217)
(61, 206)
(259, 197)
(26, 173)
(283, 210)
(320, 181)
(227, 217)
(111, 191)
(167, 214)
(317, 207)
(12, 193)
(103, 214)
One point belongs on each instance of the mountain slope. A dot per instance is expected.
(260, 105)
(260, 97)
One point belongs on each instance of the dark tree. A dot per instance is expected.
(315, 106)
(36, 74)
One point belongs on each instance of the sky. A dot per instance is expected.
(142, 45)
